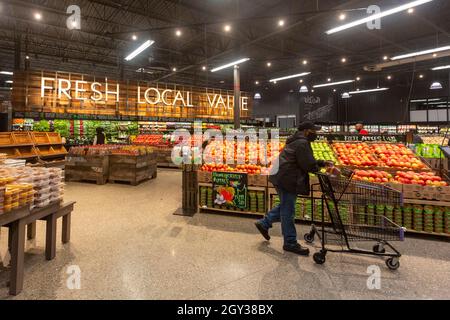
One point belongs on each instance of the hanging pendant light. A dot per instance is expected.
(304, 89)
(346, 95)
(257, 96)
(436, 86)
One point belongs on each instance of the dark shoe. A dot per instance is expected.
(297, 249)
(264, 231)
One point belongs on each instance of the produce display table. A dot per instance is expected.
(17, 221)
(132, 169)
(88, 167)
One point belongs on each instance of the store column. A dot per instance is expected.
(237, 98)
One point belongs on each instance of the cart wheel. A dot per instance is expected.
(319, 257)
(309, 237)
(393, 263)
(379, 249)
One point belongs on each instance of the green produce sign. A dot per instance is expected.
(230, 189)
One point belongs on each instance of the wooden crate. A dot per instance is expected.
(257, 180)
(132, 169)
(40, 138)
(89, 168)
(22, 138)
(54, 137)
(6, 139)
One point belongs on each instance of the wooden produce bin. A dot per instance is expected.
(132, 169)
(89, 168)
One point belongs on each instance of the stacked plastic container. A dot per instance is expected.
(56, 184)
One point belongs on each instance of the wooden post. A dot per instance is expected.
(17, 231)
(66, 228)
(50, 237)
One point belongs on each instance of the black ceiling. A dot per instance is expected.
(106, 28)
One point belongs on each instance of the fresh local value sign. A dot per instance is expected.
(97, 91)
(81, 94)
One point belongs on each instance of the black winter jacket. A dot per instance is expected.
(296, 161)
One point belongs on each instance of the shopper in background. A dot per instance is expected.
(100, 137)
(416, 139)
(360, 129)
(295, 163)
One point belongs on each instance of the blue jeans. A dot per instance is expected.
(284, 213)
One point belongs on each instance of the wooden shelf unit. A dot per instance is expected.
(30, 145)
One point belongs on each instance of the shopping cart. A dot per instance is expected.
(357, 224)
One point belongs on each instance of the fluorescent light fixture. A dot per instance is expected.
(9, 73)
(136, 52)
(441, 68)
(425, 100)
(8, 81)
(257, 96)
(378, 16)
(333, 83)
(231, 64)
(421, 53)
(436, 86)
(290, 77)
(369, 90)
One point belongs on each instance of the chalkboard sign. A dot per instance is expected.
(230, 189)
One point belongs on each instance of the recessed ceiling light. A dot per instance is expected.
(227, 28)
(358, 78)
(27, 57)
(342, 16)
(411, 10)
(178, 33)
(204, 68)
(329, 79)
(269, 64)
(334, 90)
(421, 76)
(174, 69)
(389, 77)
(312, 90)
(37, 15)
(301, 81)
(435, 55)
(385, 58)
(305, 62)
(134, 37)
(281, 23)
(256, 82)
(344, 60)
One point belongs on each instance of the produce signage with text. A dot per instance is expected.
(368, 138)
(59, 92)
(230, 189)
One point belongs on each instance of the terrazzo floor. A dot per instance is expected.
(128, 245)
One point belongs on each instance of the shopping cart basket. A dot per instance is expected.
(356, 224)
